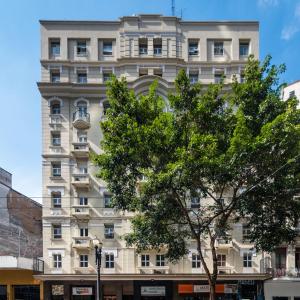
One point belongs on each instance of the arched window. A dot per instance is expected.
(82, 107)
(55, 107)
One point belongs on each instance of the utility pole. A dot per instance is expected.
(173, 8)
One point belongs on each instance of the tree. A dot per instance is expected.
(235, 149)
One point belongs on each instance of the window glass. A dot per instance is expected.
(218, 48)
(109, 231)
(107, 48)
(195, 261)
(145, 260)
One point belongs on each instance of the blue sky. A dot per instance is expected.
(20, 143)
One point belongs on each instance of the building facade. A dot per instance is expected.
(291, 90)
(20, 243)
(77, 58)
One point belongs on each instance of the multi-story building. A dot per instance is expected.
(77, 59)
(20, 243)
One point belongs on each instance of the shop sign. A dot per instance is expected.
(230, 288)
(153, 290)
(57, 290)
(83, 291)
(247, 282)
(201, 288)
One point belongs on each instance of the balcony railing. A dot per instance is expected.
(55, 120)
(81, 119)
(13, 262)
(81, 178)
(223, 243)
(81, 212)
(81, 150)
(81, 242)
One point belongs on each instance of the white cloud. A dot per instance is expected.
(289, 31)
(294, 27)
(265, 3)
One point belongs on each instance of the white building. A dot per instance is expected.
(77, 58)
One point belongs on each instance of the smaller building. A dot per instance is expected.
(20, 243)
(291, 90)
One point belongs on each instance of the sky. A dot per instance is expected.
(20, 131)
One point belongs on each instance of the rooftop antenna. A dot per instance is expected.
(173, 8)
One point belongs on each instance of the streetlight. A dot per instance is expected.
(98, 252)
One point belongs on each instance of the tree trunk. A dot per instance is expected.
(212, 290)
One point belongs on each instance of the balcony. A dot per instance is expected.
(223, 244)
(55, 121)
(81, 150)
(81, 212)
(81, 180)
(154, 270)
(225, 270)
(13, 262)
(81, 243)
(87, 270)
(81, 119)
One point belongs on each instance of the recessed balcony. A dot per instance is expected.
(81, 180)
(81, 150)
(81, 211)
(81, 243)
(223, 244)
(81, 119)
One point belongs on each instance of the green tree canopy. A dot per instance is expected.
(218, 140)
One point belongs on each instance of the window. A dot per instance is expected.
(107, 201)
(82, 108)
(246, 232)
(195, 261)
(55, 138)
(56, 231)
(218, 77)
(143, 72)
(158, 72)
(55, 108)
(106, 106)
(242, 78)
(193, 77)
(57, 261)
(84, 261)
(81, 77)
(106, 76)
(195, 202)
(83, 201)
(143, 47)
(56, 199)
(244, 48)
(280, 258)
(247, 260)
(109, 261)
(81, 48)
(107, 48)
(109, 231)
(84, 231)
(54, 48)
(218, 48)
(82, 170)
(82, 137)
(221, 260)
(157, 47)
(160, 260)
(291, 94)
(55, 76)
(145, 260)
(193, 48)
(56, 169)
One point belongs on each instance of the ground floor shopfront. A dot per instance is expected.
(20, 284)
(152, 287)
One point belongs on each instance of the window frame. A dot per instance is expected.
(53, 53)
(57, 261)
(56, 231)
(109, 261)
(105, 197)
(55, 108)
(82, 77)
(55, 138)
(219, 48)
(83, 231)
(85, 201)
(81, 50)
(56, 169)
(241, 45)
(109, 231)
(54, 76)
(247, 260)
(160, 260)
(83, 260)
(221, 260)
(196, 262)
(194, 78)
(193, 48)
(145, 260)
(56, 199)
(107, 53)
